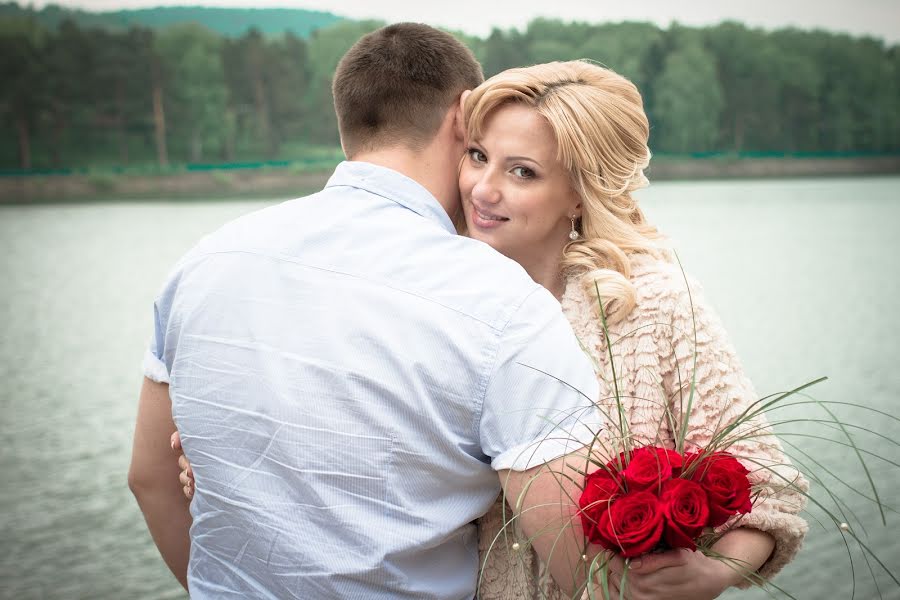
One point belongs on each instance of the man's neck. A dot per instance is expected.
(425, 168)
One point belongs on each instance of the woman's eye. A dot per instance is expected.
(477, 155)
(523, 172)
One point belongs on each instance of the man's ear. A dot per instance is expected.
(462, 99)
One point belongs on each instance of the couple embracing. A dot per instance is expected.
(358, 387)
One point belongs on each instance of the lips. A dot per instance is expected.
(485, 219)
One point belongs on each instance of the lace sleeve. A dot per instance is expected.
(699, 351)
(509, 573)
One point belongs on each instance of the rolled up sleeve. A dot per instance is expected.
(539, 404)
(158, 355)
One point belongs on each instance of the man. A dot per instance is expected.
(352, 381)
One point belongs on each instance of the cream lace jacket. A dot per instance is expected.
(653, 351)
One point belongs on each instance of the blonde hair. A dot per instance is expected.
(601, 133)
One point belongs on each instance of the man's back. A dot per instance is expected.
(342, 371)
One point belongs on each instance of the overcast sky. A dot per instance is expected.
(880, 18)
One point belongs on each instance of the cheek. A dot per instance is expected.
(541, 209)
(468, 178)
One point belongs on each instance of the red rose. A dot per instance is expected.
(725, 481)
(600, 487)
(687, 512)
(649, 467)
(633, 525)
(617, 464)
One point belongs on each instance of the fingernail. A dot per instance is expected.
(636, 563)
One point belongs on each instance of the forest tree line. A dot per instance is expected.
(75, 97)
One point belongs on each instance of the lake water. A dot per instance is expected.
(803, 272)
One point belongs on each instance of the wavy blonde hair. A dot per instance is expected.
(601, 133)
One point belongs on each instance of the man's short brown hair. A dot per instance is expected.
(394, 86)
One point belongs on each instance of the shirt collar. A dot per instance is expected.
(391, 185)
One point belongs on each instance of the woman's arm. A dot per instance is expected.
(722, 392)
(748, 550)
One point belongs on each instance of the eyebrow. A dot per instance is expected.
(478, 142)
(525, 159)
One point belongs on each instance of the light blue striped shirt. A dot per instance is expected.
(347, 374)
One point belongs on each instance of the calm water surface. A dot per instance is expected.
(803, 272)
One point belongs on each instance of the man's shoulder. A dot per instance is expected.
(253, 229)
(483, 263)
(495, 286)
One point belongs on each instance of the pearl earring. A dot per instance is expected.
(573, 235)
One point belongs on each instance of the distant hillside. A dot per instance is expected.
(230, 22)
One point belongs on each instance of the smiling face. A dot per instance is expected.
(516, 195)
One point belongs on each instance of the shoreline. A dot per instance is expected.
(273, 183)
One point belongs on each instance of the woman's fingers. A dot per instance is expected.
(186, 477)
(650, 563)
(185, 466)
(187, 484)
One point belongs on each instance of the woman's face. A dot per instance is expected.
(516, 196)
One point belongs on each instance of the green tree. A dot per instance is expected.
(157, 97)
(247, 65)
(863, 92)
(288, 70)
(196, 85)
(548, 40)
(630, 49)
(688, 101)
(70, 64)
(543, 51)
(239, 110)
(121, 102)
(891, 100)
(799, 79)
(23, 95)
(503, 51)
(744, 60)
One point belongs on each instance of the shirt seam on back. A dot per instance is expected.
(497, 329)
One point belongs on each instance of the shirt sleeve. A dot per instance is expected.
(540, 401)
(158, 356)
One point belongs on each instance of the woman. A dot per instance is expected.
(556, 151)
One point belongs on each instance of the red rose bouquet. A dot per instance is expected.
(655, 499)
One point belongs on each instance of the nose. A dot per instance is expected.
(485, 190)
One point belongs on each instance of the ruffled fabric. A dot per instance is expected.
(671, 339)
(510, 572)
